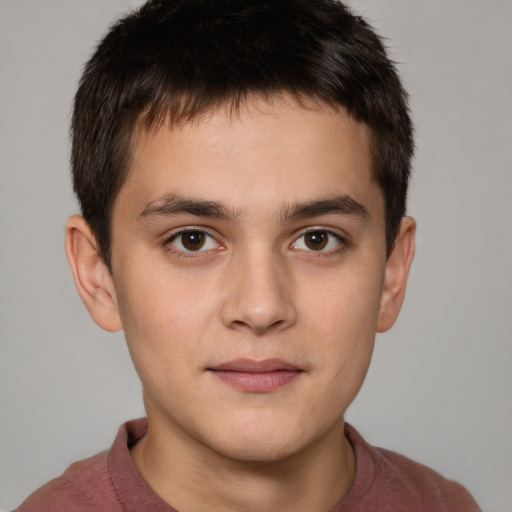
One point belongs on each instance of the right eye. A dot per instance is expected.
(193, 240)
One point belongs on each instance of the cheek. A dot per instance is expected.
(346, 351)
(153, 299)
(164, 315)
(152, 319)
(345, 305)
(344, 320)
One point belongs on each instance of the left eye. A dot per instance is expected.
(318, 240)
(193, 241)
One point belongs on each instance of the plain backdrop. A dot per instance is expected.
(440, 386)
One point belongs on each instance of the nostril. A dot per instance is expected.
(277, 323)
(240, 324)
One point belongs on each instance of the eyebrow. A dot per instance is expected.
(175, 204)
(342, 204)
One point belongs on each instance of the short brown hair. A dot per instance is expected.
(174, 59)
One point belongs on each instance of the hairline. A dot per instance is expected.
(144, 124)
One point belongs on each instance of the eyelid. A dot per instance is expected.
(177, 232)
(343, 239)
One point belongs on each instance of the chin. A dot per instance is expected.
(259, 442)
(259, 450)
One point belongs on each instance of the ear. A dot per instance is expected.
(397, 271)
(92, 278)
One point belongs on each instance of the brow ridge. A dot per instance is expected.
(176, 204)
(342, 204)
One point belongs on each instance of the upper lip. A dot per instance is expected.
(252, 366)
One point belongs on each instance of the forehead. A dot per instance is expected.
(263, 152)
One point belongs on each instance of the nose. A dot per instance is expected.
(259, 294)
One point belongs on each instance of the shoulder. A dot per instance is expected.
(84, 486)
(403, 484)
(423, 483)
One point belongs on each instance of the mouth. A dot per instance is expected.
(256, 376)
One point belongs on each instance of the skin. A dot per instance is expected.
(257, 289)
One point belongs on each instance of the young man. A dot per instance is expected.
(242, 170)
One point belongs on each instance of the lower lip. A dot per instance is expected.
(257, 382)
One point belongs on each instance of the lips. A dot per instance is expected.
(256, 376)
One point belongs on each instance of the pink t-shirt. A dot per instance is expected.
(384, 482)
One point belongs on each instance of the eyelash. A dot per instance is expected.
(167, 244)
(341, 241)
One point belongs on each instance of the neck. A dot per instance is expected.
(192, 477)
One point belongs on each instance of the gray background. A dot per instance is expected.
(440, 385)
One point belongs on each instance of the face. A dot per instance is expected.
(249, 261)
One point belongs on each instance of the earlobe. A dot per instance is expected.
(92, 278)
(397, 272)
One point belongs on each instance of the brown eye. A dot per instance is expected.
(316, 240)
(193, 240)
(319, 240)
